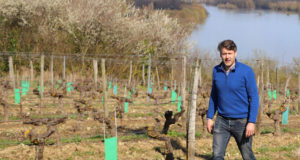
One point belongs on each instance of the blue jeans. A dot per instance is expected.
(224, 128)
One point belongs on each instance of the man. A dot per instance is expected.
(234, 96)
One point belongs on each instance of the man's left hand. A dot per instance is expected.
(250, 129)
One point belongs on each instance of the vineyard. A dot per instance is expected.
(125, 107)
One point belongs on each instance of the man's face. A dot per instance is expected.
(228, 57)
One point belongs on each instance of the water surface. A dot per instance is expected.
(269, 33)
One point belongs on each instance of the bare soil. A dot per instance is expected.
(84, 139)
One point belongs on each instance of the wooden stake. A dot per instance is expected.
(268, 77)
(95, 64)
(277, 82)
(183, 81)
(286, 86)
(261, 101)
(192, 116)
(11, 72)
(64, 76)
(130, 73)
(143, 75)
(31, 72)
(149, 76)
(64, 69)
(299, 90)
(200, 75)
(5, 109)
(157, 77)
(52, 74)
(172, 73)
(42, 83)
(104, 88)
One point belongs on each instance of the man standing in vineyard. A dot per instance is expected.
(235, 97)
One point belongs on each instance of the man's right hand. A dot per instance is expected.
(209, 125)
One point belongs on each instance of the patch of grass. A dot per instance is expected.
(290, 130)
(293, 112)
(264, 158)
(72, 116)
(266, 130)
(288, 155)
(14, 105)
(136, 150)
(84, 154)
(263, 149)
(133, 137)
(158, 157)
(51, 105)
(289, 148)
(50, 141)
(198, 135)
(11, 97)
(136, 115)
(14, 118)
(6, 143)
(70, 158)
(95, 138)
(151, 114)
(76, 139)
(177, 134)
(11, 118)
(27, 142)
(89, 153)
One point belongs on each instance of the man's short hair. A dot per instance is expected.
(227, 44)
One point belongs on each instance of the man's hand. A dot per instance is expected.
(250, 129)
(209, 125)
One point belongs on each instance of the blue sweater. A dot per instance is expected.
(234, 95)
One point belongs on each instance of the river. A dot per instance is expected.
(257, 33)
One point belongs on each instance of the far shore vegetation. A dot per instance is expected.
(276, 5)
(187, 14)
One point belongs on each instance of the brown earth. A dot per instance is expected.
(84, 139)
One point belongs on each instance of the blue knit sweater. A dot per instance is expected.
(234, 95)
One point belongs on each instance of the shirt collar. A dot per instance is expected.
(233, 68)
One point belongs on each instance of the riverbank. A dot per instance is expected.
(292, 6)
(189, 15)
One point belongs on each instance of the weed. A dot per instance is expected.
(134, 137)
(6, 143)
(14, 118)
(293, 112)
(198, 135)
(95, 138)
(173, 133)
(72, 116)
(76, 139)
(136, 115)
(137, 150)
(267, 130)
(289, 130)
(288, 148)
